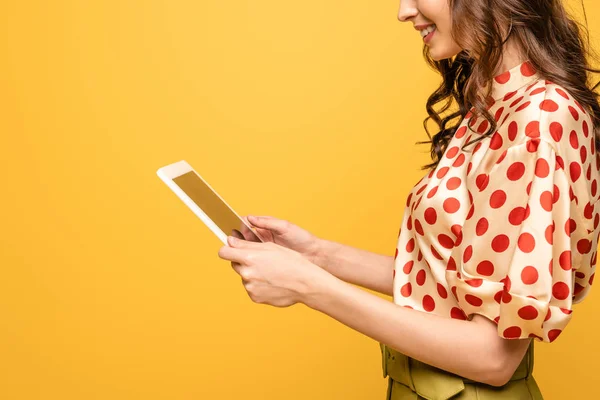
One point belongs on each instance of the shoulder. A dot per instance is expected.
(545, 121)
(548, 111)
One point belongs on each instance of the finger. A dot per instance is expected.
(237, 234)
(276, 225)
(243, 271)
(236, 267)
(232, 254)
(245, 244)
(247, 232)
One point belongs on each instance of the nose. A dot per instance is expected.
(408, 9)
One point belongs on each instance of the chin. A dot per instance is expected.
(444, 53)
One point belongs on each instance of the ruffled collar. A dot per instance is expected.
(513, 79)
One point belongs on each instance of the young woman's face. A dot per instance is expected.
(426, 12)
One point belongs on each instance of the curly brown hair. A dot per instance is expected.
(551, 39)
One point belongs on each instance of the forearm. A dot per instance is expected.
(360, 267)
(466, 348)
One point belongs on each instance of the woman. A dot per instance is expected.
(499, 238)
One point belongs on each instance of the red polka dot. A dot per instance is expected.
(512, 130)
(588, 210)
(451, 205)
(560, 290)
(408, 267)
(498, 114)
(556, 131)
(509, 95)
(515, 171)
(537, 91)
(573, 140)
(527, 69)
(517, 101)
(442, 291)
(500, 243)
(428, 303)
(512, 333)
(564, 260)
(574, 113)
(452, 151)
(460, 132)
(430, 215)
(481, 226)
(485, 268)
(498, 296)
(474, 282)
(453, 183)
(451, 266)
(503, 78)
(481, 181)
(526, 242)
(528, 312)
(473, 300)
(446, 241)
(575, 170)
(529, 275)
(533, 129)
(562, 93)
(457, 313)
(516, 216)
(532, 145)
(584, 246)
(459, 160)
(442, 172)
(553, 334)
(497, 198)
(483, 126)
(419, 227)
(542, 169)
(523, 106)
(548, 105)
(406, 290)
(421, 275)
(546, 200)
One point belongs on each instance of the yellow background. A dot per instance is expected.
(110, 288)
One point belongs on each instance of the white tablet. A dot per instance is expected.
(205, 202)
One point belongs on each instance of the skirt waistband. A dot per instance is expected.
(434, 383)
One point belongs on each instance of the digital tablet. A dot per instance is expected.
(205, 202)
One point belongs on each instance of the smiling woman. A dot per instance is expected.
(498, 242)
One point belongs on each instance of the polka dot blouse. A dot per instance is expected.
(507, 228)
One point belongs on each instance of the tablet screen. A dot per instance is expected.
(217, 210)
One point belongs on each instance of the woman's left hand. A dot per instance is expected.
(271, 274)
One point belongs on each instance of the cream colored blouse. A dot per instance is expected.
(508, 228)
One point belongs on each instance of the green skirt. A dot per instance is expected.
(410, 379)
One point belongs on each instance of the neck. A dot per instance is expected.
(511, 57)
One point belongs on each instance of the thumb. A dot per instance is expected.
(276, 225)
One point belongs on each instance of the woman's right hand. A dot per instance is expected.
(283, 233)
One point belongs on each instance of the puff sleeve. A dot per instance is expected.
(518, 250)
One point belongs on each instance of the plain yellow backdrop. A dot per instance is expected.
(110, 288)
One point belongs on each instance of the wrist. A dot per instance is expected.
(316, 286)
(318, 254)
